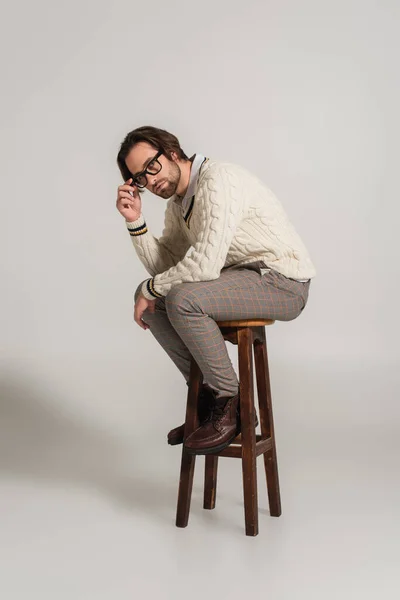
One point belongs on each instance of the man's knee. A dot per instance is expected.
(180, 297)
(138, 290)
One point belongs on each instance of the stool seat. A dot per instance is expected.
(246, 323)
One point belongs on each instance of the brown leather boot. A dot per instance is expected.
(204, 409)
(220, 429)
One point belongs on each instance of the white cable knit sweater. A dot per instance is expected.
(232, 219)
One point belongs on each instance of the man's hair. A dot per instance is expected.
(158, 138)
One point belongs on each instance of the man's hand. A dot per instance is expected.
(129, 202)
(140, 306)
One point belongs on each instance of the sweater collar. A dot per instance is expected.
(191, 190)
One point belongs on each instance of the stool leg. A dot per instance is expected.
(210, 481)
(188, 460)
(249, 458)
(267, 422)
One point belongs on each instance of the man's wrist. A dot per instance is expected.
(137, 227)
(149, 291)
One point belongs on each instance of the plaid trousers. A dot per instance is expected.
(184, 321)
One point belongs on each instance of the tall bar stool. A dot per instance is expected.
(246, 334)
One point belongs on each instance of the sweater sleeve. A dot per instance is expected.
(218, 209)
(159, 254)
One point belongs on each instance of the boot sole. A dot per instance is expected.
(178, 442)
(175, 443)
(215, 449)
(212, 450)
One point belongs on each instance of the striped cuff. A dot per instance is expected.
(137, 227)
(148, 290)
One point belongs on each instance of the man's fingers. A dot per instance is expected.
(138, 319)
(142, 324)
(141, 305)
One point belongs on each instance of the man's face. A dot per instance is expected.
(165, 182)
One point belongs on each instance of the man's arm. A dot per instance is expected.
(219, 207)
(159, 254)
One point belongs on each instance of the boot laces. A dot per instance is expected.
(217, 413)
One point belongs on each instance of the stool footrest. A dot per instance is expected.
(234, 450)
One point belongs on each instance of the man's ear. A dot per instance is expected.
(174, 156)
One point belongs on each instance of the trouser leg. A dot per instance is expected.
(166, 335)
(243, 293)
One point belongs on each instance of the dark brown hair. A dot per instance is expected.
(158, 138)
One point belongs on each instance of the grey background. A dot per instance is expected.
(304, 94)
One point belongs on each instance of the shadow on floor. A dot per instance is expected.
(40, 441)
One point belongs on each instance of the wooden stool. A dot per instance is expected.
(247, 445)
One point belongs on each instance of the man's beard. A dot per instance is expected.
(171, 184)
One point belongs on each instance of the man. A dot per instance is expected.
(228, 251)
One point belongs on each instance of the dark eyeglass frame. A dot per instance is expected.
(145, 171)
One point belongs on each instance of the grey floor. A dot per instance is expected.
(87, 511)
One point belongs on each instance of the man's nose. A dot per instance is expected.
(151, 179)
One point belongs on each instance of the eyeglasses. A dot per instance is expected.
(152, 168)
